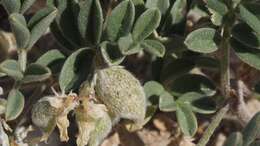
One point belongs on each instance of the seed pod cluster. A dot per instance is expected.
(122, 94)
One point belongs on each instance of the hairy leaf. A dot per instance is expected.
(111, 53)
(252, 130)
(166, 102)
(19, 27)
(162, 5)
(50, 57)
(11, 6)
(26, 4)
(36, 73)
(72, 73)
(186, 120)
(146, 24)
(15, 105)
(202, 40)
(121, 20)
(11, 68)
(40, 22)
(154, 47)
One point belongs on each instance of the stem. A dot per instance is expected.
(225, 61)
(213, 125)
(22, 59)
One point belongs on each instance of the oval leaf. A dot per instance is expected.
(26, 5)
(146, 24)
(39, 23)
(202, 40)
(154, 47)
(11, 68)
(186, 120)
(21, 32)
(121, 20)
(235, 139)
(252, 130)
(192, 83)
(166, 102)
(153, 88)
(250, 19)
(162, 5)
(15, 105)
(90, 21)
(176, 13)
(36, 73)
(73, 72)
(248, 55)
(11, 6)
(111, 53)
(50, 57)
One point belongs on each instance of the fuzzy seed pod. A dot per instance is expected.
(122, 94)
(43, 115)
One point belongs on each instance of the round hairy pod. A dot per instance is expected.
(44, 115)
(122, 93)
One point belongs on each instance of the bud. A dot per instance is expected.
(94, 124)
(50, 111)
(122, 94)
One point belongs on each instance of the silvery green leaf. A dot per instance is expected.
(217, 9)
(248, 55)
(39, 23)
(252, 130)
(199, 103)
(26, 4)
(90, 20)
(245, 35)
(11, 6)
(153, 88)
(128, 46)
(249, 18)
(20, 30)
(11, 68)
(166, 102)
(36, 73)
(15, 105)
(153, 47)
(162, 5)
(72, 74)
(50, 57)
(64, 26)
(202, 40)
(111, 53)
(121, 20)
(146, 24)
(197, 83)
(177, 12)
(186, 119)
(235, 139)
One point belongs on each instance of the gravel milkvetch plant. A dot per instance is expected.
(98, 36)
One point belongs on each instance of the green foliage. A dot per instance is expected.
(21, 32)
(202, 40)
(71, 76)
(183, 55)
(15, 105)
(121, 20)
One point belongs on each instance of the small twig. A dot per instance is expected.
(213, 125)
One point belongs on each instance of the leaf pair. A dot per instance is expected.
(27, 34)
(184, 106)
(17, 6)
(78, 23)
